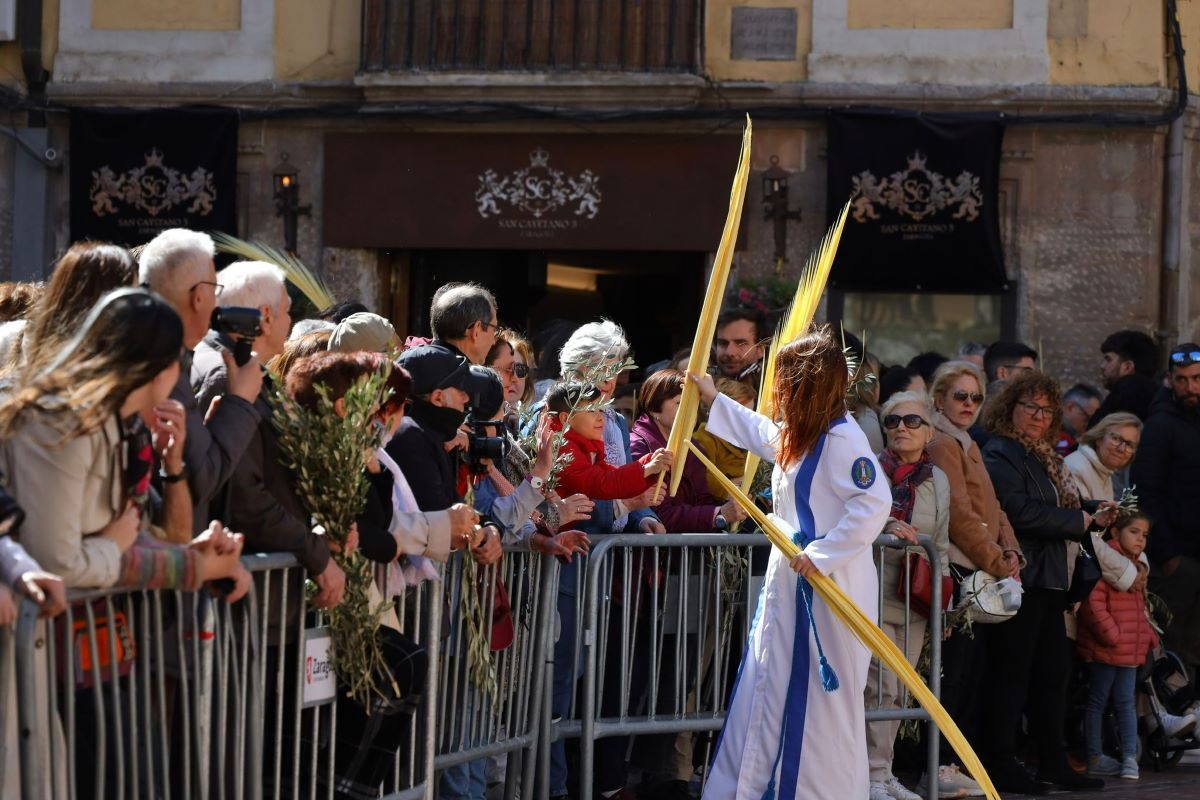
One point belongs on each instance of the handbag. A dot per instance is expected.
(916, 583)
(988, 599)
(1086, 574)
(111, 634)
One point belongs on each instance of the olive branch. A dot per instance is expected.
(326, 454)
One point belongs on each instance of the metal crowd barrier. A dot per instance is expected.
(164, 694)
(670, 655)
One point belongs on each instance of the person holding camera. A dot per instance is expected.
(439, 398)
(178, 265)
(510, 488)
(261, 499)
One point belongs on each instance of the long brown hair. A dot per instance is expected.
(85, 273)
(127, 340)
(811, 380)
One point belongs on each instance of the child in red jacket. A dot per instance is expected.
(588, 472)
(1115, 635)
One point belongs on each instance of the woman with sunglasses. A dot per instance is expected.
(920, 506)
(511, 356)
(980, 539)
(1031, 654)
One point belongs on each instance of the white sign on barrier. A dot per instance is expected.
(320, 682)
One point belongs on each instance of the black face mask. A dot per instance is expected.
(443, 421)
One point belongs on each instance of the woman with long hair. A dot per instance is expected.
(796, 725)
(84, 274)
(70, 460)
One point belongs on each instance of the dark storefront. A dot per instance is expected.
(557, 226)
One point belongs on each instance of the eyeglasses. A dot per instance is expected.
(497, 327)
(911, 421)
(517, 370)
(1121, 443)
(1036, 411)
(1185, 358)
(962, 396)
(216, 287)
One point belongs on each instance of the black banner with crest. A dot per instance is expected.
(135, 173)
(924, 202)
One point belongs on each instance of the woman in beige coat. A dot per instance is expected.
(920, 506)
(980, 539)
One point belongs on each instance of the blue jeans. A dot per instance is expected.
(563, 687)
(1105, 681)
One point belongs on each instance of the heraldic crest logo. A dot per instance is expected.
(152, 188)
(538, 190)
(916, 192)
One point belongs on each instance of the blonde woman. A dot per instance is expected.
(1105, 449)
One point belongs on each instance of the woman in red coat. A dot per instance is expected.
(1114, 637)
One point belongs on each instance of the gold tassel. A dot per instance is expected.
(866, 631)
(685, 417)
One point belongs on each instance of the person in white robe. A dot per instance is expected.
(795, 727)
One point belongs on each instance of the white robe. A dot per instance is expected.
(779, 692)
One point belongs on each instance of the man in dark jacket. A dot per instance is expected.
(439, 398)
(1166, 472)
(463, 318)
(178, 264)
(262, 499)
(1127, 367)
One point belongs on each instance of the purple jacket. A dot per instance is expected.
(692, 508)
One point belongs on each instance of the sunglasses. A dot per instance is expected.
(962, 396)
(518, 370)
(911, 421)
(1183, 359)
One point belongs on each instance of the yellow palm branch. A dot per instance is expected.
(685, 417)
(305, 279)
(866, 631)
(796, 321)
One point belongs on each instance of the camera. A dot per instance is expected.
(486, 391)
(243, 322)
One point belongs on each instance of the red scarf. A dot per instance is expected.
(905, 478)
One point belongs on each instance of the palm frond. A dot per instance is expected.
(796, 321)
(304, 278)
(685, 417)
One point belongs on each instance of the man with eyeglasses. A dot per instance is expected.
(463, 318)
(1079, 403)
(178, 264)
(1166, 471)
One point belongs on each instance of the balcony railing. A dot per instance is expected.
(531, 35)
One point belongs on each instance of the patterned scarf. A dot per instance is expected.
(1063, 480)
(905, 478)
(139, 459)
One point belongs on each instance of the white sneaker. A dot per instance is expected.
(1176, 727)
(879, 791)
(951, 775)
(898, 790)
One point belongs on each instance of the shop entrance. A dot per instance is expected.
(655, 296)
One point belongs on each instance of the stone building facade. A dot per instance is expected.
(1099, 222)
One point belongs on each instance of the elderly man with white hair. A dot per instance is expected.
(591, 348)
(262, 501)
(178, 264)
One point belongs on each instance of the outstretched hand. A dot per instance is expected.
(706, 385)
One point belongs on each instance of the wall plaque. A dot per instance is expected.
(763, 34)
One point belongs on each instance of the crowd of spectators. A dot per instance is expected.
(138, 449)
